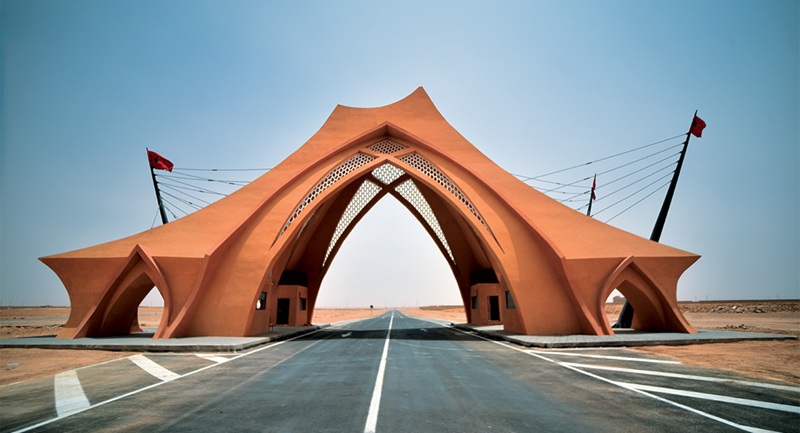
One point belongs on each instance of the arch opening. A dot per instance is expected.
(405, 267)
(323, 225)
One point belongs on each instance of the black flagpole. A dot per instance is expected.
(158, 192)
(591, 197)
(626, 314)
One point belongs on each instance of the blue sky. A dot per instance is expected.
(536, 86)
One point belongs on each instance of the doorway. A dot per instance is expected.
(494, 308)
(282, 318)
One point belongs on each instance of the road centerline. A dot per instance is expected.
(375, 403)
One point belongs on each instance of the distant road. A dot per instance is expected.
(393, 373)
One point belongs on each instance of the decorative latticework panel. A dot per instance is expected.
(427, 168)
(366, 192)
(387, 173)
(386, 147)
(332, 177)
(412, 194)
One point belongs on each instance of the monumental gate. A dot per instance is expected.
(258, 257)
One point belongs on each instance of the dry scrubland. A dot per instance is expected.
(778, 360)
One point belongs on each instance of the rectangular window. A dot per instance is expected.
(474, 302)
(510, 301)
(302, 304)
(261, 304)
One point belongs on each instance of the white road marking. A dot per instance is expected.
(151, 367)
(684, 376)
(211, 357)
(639, 391)
(347, 335)
(712, 397)
(375, 403)
(70, 397)
(616, 358)
(137, 391)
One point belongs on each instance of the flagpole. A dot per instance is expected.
(158, 194)
(591, 196)
(625, 318)
(662, 216)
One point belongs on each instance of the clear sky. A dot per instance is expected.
(536, 85)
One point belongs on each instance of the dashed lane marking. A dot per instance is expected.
(154, 369)
(70, 397)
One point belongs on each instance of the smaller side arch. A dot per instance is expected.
(117, 311)
(654, 311)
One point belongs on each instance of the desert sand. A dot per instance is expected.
(778, 360)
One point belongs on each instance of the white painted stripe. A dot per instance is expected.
(713, 397)
(639, 391)
(375, 403)
(615, 358)
(70, 397)
(684, 376)
(151, 367)
(212, 357)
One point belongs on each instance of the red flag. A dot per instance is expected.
(158, 162)
(697, 126)
(594, 185)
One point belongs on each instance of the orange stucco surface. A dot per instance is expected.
(279, 234)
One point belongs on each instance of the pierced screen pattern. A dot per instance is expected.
(387, 173)
(411, 193)
(332, 177)
(423, 165)
(366, 192)
(386, 147)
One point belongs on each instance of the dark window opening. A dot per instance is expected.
(302, 304)
(261, 304)
(474, 302)
(510, 300)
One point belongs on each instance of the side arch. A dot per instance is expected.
(117, 311)
(646, 295)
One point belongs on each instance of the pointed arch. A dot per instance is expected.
(117, 311)
(655, 311)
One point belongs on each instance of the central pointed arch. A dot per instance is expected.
(374, 168)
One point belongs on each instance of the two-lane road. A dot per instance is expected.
(394, 373)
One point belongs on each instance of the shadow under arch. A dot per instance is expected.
(655, 313)
(117, 312)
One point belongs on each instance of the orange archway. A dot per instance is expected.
(258, 257)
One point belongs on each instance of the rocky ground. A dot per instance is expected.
(779, 360)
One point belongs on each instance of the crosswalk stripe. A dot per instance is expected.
(69, 393)
(212, 357)
(713, 397)
(151, 367)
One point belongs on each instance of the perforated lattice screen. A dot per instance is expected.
(423, 165)
(387, 173)
(332, 177)
(366, 192)
(411, 193)
(387, 147)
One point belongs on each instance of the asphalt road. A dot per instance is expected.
(394, 373)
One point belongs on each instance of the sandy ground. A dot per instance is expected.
(779, 360)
